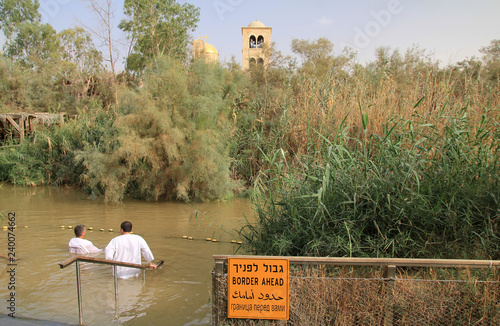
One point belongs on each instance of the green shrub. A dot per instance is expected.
(49, 155)
(171, 139)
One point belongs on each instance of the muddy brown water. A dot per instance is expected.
(176, 294)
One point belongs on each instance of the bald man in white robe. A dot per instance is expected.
(79, 245)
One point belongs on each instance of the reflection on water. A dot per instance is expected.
(178, 293)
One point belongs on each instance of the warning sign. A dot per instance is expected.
(257, 288)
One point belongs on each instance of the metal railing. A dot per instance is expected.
(321, 281)
(78, 259)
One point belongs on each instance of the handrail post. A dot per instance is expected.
(218, 272)
(116, 282)
(79, 291)
(390, 276)
(219, 266)
(78, 259)
(115, 279)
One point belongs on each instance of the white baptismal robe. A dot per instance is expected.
(128, 248)
(81, 246)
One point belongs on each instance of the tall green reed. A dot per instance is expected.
(421, 188)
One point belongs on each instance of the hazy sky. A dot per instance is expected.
(450, 30)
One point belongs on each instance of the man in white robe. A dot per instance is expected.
(128, 248)
(79, 245)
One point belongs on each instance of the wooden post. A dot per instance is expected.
(22, 128)
(14, 125)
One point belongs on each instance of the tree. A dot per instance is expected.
(103, 10)
(266, 80)
(157, 28)
(80, 62)
(79, 50)
(171, 139)
(470, 68)
(404, 69)
(35, 45)
(491, 59)
(13, 80)
(13, 13)
(317, 56)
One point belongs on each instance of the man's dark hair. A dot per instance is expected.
(126, 226)
(79, 230)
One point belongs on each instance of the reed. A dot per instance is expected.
(399, 162)
(421, 188)
(304, 108)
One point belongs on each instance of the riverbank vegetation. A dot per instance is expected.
(400, 158)
(397, 157)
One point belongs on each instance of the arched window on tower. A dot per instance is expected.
(252, 62)
(260, 61)
(260, 41)
(252, 43)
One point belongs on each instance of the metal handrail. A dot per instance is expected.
(388, 264)
(72, 260)
(77, 259)
(383, 262)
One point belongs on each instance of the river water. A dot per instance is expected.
(176, 294)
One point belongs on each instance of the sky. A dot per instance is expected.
(449, 30)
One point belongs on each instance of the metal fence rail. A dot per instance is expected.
(378, 291)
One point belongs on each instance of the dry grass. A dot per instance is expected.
(367, 106)
(361, 296)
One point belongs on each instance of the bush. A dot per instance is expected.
(49, 155)
(171, 138)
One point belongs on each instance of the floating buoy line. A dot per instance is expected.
(184, 237)
(5, 227)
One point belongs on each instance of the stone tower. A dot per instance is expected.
(256, 40)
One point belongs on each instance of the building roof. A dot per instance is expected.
(209, 48)
(256, 23)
